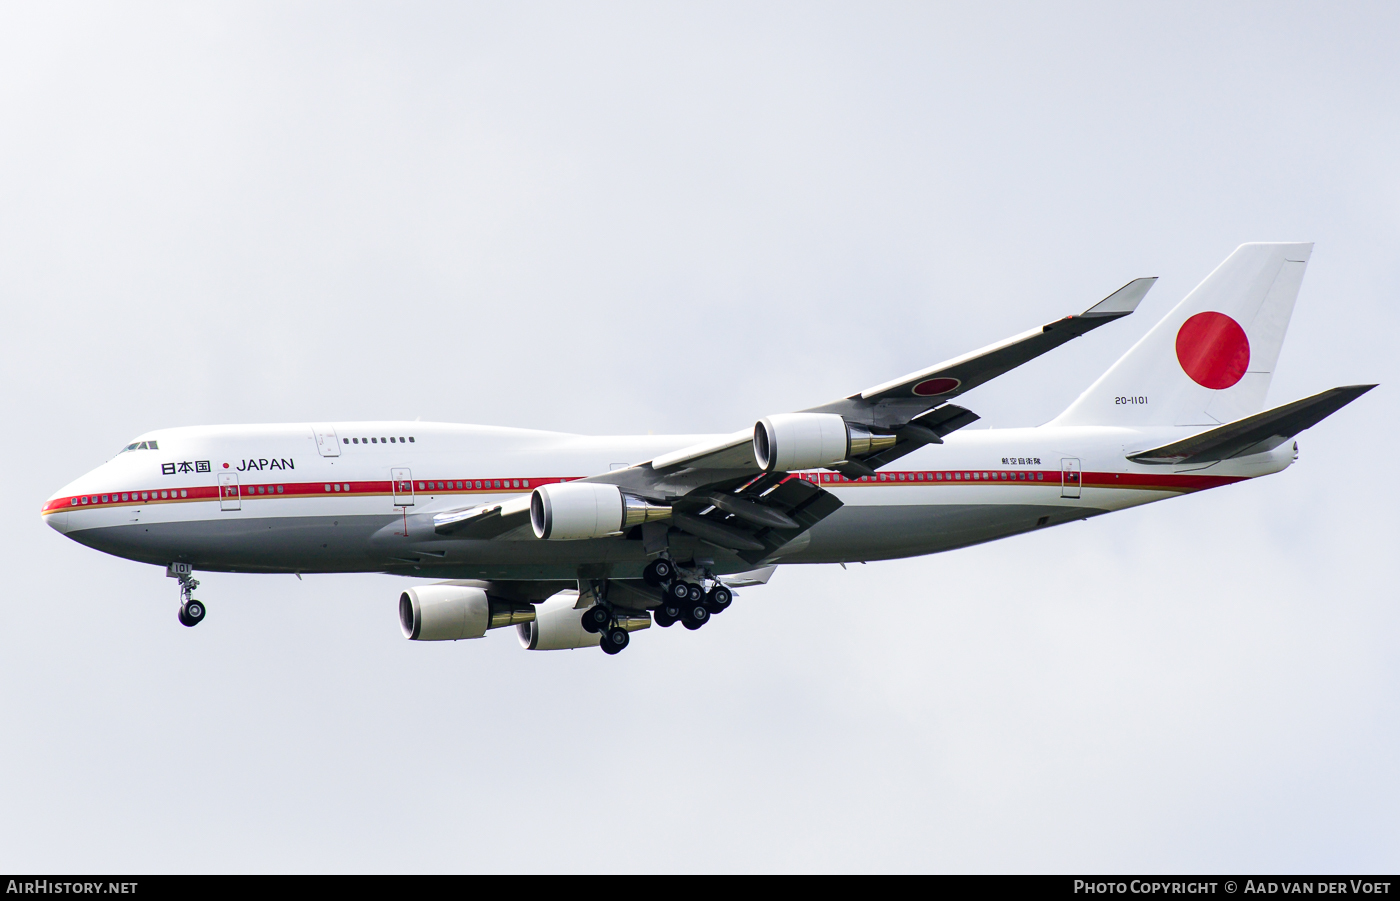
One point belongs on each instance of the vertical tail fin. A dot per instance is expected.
(1210, 359)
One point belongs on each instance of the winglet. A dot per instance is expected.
(1123, 301)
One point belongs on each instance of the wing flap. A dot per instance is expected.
(1254, 434)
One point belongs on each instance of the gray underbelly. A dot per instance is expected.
(855, 533)
(372, 544)
(357, 543)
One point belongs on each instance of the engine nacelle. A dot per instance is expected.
(790, 441)
(573, 510)
(557, 626)
(452, 612)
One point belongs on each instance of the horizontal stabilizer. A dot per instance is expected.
(1255, 434)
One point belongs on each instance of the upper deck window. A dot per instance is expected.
(401, 440)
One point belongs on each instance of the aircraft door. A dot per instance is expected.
(228, 492)
(1069, 477)
(403, 487)
(327, 442)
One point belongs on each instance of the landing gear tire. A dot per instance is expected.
(191, 613)
(587, 623)
(694, 592)
(658, 572)
(693, 616)
(718, 600)
(663, 617)
(191, 610)
(679, 592)
(598, 618)
(613, 640)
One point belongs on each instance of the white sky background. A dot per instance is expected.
(612, 218)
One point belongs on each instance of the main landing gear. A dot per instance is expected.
(191, 610)
(598, 620)
(686, 602)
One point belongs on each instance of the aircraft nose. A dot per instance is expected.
(55, 511)
(61, 509)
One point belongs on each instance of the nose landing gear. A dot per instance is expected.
(191, 613)
(191, 610)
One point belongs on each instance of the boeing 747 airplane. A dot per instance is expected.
(579, 541)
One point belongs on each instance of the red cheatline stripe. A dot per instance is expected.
(274, 490)
(1025, 477)
(1043, 478)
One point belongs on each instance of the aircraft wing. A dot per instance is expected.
(484, 520)
(961, 374)
(1255, 434)
(719, 492)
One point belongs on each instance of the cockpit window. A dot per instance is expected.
(141, 445)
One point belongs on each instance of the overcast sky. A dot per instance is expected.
(611, 218)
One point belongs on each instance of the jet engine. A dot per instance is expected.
(557, 626)
(450, 612)
(573, 510)
(790, 441)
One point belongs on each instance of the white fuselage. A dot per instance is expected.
(299, 498)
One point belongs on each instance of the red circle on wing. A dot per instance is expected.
(1213, 350)
(931, 387)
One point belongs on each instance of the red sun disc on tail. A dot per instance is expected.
(934, 387)
(1213, 350)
